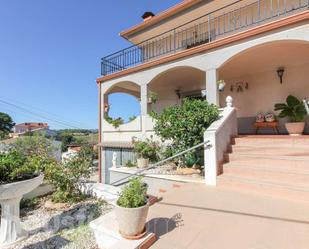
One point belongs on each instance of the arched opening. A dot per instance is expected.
(252, 79)
(173, 85)
(122, 103)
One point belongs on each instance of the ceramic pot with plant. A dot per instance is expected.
(221, 85)
(132, 209)
(18, 175)
(152, 97)
(145, 150)
(295, 111)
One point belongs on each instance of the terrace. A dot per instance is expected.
(232, 19)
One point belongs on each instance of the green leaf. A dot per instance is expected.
(292, 101)
(280, 106)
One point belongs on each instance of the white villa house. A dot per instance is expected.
(259, 48)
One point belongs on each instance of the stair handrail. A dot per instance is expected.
(306, 103)
(155, 165)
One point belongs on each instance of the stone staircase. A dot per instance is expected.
(276, 166)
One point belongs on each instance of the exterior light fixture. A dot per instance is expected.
(280, 72)
(178, 93)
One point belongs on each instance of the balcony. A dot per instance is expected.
(223, 22)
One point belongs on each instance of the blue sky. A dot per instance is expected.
(50, 56)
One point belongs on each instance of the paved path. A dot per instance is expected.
(199, 217)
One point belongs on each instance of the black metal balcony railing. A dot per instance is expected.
(222, 22)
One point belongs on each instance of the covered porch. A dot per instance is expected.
(251, 78)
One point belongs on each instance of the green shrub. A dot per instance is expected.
(132, 118)
(192, 159)
(116, 122)
(184, 126)
(294, 109)
(66, 176)
(147, 149)
(27, 157)
(134, 194)
(129, 164)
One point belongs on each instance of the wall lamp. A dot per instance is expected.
(280, 72)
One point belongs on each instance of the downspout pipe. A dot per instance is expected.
(100, 130)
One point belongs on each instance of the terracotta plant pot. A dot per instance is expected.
(142, 162)
(132, 221)
(296, 128)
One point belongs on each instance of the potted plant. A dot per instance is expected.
(221, 85)
(132, 209)
(18, 175)
(295, 111)
(152, 97)
(145, 150)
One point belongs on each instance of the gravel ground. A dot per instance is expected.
(64, 227)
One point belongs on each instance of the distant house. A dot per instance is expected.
(24, 128)
(72, 151)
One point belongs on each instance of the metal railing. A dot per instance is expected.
(230, 19)
(141, 171)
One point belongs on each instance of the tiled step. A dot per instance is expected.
(276, 177)
(259, 156)
(276, 166)
(272, 150)
(266, 188)
(272, 140)
(253, 163)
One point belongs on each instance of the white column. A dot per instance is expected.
(212, 93)
(11, 230)
(144, 107)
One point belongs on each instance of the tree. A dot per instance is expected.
(66, 138)
(6, 124)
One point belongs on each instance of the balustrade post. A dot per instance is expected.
(174, 40)
(209, 28)
(103, 70)
(229, 101)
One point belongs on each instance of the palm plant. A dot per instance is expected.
(293, 109)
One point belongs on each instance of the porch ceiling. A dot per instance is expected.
(182, 78)
(267, 57)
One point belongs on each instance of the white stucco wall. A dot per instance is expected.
(265, 90)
